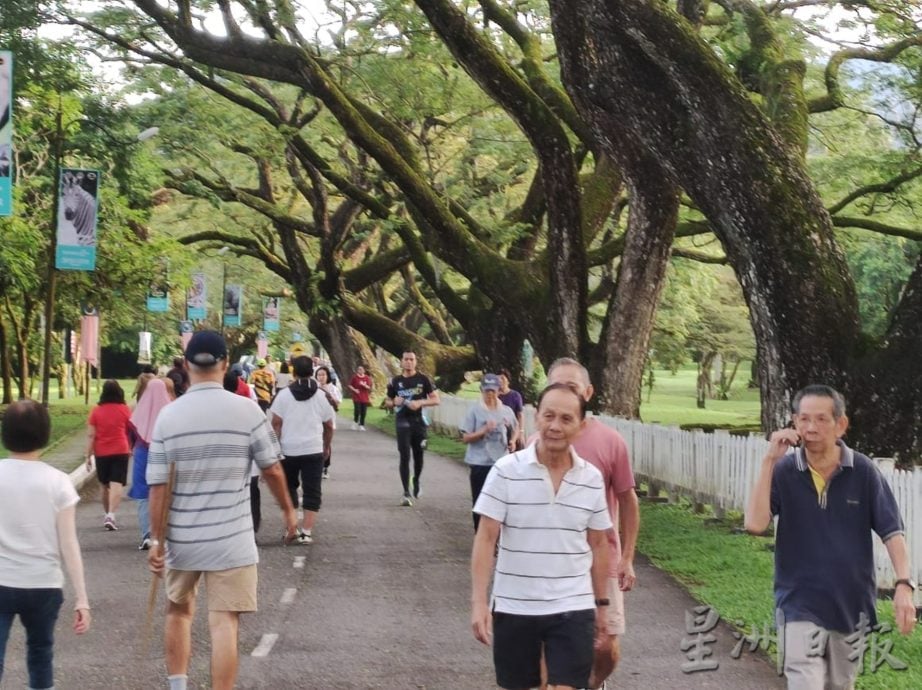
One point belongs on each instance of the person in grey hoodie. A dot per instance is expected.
(303, 422)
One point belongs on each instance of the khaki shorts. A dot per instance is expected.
(227, 590)
(614, 619)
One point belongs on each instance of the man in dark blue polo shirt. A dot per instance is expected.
(828, 499)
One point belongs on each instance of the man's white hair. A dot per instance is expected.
(570, 362)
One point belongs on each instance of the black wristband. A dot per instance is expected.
(602, 602)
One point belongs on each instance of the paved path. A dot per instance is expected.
(380, 600)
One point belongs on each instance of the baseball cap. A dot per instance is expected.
(489, 382)
(206, 348)
(260, 362)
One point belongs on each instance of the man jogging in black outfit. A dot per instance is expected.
(408, 394)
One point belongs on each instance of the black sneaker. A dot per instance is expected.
(145, 543)
(417, 490)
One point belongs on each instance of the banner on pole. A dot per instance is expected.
(144, 347)
(158, 290)
(6, 133)
(78, 192)
(233, 305)
(89, 335)
(262, 344)
(195, 300)
(271, 314)
(185, 333)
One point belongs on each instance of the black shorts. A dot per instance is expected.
(567, 639)
(112, 468)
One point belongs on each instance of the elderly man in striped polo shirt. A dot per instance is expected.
(211, 436)
(547, 507)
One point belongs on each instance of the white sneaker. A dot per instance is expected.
(406, 501)
(355, 426)
(361, 428)
(305, 537)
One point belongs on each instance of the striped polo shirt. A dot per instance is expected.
(544, 555)
(213, 436)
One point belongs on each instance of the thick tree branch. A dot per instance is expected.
(834, 97)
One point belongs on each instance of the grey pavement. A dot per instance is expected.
(379, 600)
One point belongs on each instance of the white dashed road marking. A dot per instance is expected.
(265, 644)
(299, 561)
(288, 595)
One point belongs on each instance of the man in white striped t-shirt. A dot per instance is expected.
(546, 505)
(211, 436)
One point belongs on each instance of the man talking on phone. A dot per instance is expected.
(828, 498)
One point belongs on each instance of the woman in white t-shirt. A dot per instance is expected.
(37, 532)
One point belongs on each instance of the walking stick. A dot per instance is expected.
(155, 579)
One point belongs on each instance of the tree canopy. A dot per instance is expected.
(455, 178)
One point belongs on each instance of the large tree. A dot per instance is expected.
(533, 282)
(741, 161)
(701, 115)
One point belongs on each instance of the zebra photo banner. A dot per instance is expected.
(195, 300)
(271, 314)
(6, 133)
(77, 196)
(233, 305)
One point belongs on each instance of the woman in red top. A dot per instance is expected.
(360, 385)
(108, 445)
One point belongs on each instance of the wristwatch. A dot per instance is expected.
(602, 602)
(906, 581)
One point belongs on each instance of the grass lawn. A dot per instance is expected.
(70, 415)
(719, 566)
(672, 402)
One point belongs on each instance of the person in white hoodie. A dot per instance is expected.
(37, 532)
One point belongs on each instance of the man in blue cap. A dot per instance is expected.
(210, 437)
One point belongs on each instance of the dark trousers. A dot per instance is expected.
(358, 413)
(255, 503)
(38, 611)
(305, 471)
(411, 438)
(478, 477)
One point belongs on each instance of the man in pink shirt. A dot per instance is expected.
(605, 448)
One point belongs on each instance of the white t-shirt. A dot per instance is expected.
(31, 496)
(302, 422)
(336, 394)
(544, 564)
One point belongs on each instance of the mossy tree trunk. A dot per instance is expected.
(744, 171)
(547, 290)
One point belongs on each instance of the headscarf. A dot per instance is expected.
(154, 399)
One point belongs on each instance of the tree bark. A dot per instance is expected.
(6, 367)
(620, 56)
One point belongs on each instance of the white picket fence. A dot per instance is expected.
(719, 469)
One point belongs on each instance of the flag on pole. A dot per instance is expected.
(195, 300)
(144, 347)
(158, 289)
(233, 305)
(89, 335)
(6, 133)
(78, 192)
(271, 314)
(185, 333)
